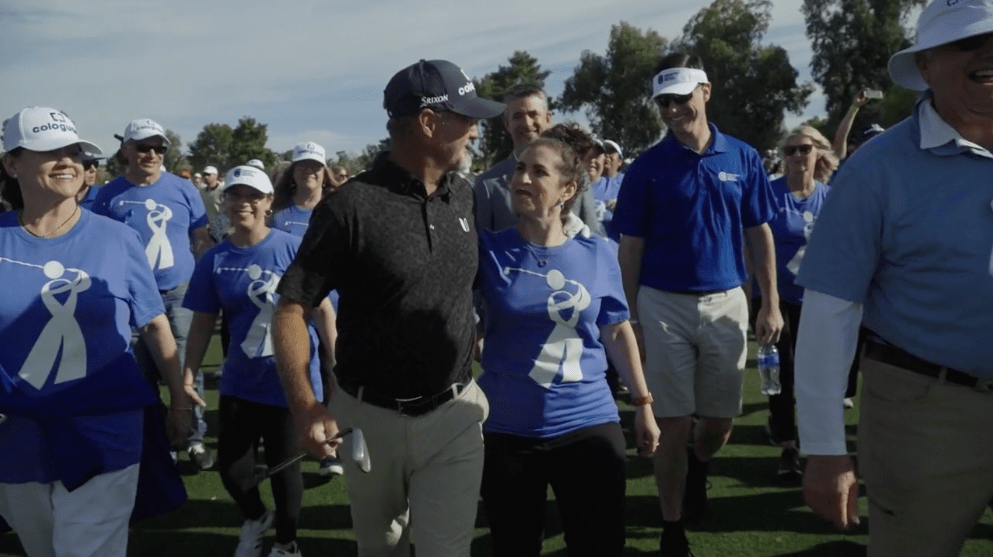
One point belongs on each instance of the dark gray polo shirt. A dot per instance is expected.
(403, 264)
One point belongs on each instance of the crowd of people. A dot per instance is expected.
(359, 304)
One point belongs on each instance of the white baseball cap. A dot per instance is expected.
(308, 151)
(43, 129)
(941, 22)
(609, 144)
(248, 176)
(144, 128)
(677, 81)
(209, 170)
(256, 163)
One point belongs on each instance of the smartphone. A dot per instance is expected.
(873, 94)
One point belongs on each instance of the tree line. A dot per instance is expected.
(755, 84)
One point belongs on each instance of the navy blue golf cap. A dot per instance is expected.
(438, 85)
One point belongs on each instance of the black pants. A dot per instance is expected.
(782, 420)
(240, 425)
(586, 469)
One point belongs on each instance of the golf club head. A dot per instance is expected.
(360, 451)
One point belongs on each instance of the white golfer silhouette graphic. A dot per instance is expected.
(258, 341)
(62, 331)
(159, 249)
(564, 346)
(808, 228)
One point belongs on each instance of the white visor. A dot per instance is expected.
(677, 81)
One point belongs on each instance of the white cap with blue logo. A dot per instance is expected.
(677, 81)
(248, 176)
(309, 151)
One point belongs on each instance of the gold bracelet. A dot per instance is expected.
(642, 400)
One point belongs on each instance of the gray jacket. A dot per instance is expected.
(493, 209)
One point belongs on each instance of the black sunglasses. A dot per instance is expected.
(665, 100)
(970, 44)
(789, 150)
(146, 148)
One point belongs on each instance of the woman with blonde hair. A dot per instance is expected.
(799, 195)
(825, 162)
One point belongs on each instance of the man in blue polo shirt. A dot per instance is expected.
(903, 247)
(686, 208)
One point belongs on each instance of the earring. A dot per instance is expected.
(561, 206)
(268, 212)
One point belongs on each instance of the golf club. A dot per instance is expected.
(359, 455)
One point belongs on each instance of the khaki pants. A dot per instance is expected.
(926, 453)
(426, 473)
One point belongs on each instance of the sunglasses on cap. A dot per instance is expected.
(790, 150)
(665, 100)
(141, 148)
(970, 44)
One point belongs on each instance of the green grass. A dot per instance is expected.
(753, 513)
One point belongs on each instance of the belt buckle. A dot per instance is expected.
(408, 403)
(984, 385)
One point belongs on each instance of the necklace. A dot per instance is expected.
(20, 219)
(531, 249)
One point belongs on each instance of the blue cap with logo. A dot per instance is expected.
(438, 85)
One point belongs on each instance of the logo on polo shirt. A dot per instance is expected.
(727, 177)
(465, 223)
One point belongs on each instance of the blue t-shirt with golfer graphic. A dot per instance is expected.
(242, 282)
(544, 367)
(295, 220)
(66, 368)
(791, 227)
(164, 214)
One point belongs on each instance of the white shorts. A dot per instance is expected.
(695, 350)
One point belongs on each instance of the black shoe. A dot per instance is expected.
(789, 464)
(695, 505)
(673, 543)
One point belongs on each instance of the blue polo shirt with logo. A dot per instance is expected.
(690, 209)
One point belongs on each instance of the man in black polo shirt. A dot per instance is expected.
(399, 245)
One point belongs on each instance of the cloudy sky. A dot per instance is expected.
(312, 70)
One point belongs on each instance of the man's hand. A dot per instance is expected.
(768, 324)
(315, 426)
(831, 489)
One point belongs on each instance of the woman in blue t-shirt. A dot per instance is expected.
(240, 276)
(553, 304)
(300, 188)
(70, 387)
(798, 197)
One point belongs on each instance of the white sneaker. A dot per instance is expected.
(292, 551)
(250, 538)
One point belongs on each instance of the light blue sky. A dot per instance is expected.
(312, 70)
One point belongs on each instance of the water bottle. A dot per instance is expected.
(768, 363)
